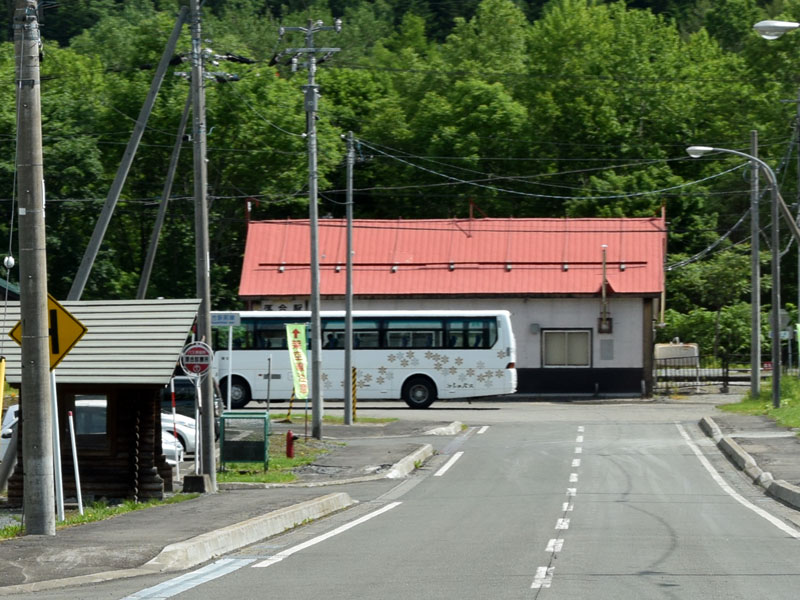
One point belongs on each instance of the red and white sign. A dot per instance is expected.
(196, 358)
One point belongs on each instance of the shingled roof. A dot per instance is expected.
(459, 257)
(127, 341)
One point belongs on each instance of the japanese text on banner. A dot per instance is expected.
(296, 334)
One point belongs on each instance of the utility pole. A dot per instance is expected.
(311, 98)
(37, 429)
(202, 260)
(348, 298)
(755, 275)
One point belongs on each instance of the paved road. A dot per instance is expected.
(535, 500)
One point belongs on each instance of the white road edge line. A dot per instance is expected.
(321, 538)
(730, 491)
(483, 429)
(186, 582)
(448, 464)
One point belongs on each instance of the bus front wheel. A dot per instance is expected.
(419, 392)
(240, 392)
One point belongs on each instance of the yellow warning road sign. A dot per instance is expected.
(64, 330)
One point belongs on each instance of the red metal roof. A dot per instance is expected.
(458, 257)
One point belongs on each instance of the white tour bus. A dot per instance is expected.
(418, 356)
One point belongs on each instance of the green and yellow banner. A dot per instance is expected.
(296, 334)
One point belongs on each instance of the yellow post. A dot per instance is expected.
(288, 418)
(355, 399)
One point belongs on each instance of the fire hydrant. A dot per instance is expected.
(290, 438)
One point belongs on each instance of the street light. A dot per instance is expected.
(772, 30)
(697, 152)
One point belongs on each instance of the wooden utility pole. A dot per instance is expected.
(202, 259)
(36, 422)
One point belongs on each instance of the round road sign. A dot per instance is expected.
(196, 359)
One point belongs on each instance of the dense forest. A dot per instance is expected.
(516, 108)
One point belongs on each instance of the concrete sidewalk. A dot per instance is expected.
(179, 536)
(767, 453)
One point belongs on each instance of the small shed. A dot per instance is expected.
(127, 356)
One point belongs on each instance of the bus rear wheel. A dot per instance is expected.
(240, 393)
(419, 392)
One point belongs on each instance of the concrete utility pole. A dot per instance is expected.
(311, 98)
(202, 260)
(755, 275)
(82, 276)
(36, 423)
(348, 297)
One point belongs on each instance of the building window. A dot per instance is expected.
(566, 348)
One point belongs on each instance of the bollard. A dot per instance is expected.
(355, 394)
(290, 438)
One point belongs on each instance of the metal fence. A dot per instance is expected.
(697, 374)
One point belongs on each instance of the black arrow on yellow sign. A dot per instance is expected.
(65, 331)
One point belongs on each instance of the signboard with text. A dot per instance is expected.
(196, 359)
(296, 334)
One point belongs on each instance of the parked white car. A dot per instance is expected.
(7, 429)
(90, 418)
(185, 427)
(171, 447)
(95, 409)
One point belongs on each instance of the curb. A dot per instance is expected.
(401, 468)
(182, 555)
(779, 489)
(406, 465)
(453, 428)
(187, 554)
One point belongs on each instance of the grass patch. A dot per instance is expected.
(98, 511)
(280, 467)
(788, 415)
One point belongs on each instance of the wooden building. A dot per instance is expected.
(584, 294)
(128, 354)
